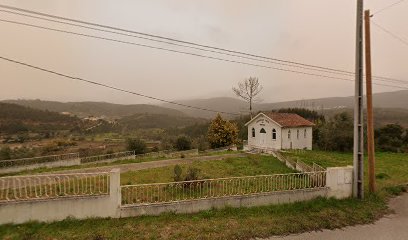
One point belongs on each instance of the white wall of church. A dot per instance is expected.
(298, 139)
(264, 140)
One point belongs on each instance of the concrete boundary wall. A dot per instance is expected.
(338, 185)
(79, 161)
(194, 206)
(52, 164)
(61, 208)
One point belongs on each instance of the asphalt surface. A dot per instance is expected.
(391, 227)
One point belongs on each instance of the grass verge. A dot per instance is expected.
(229, 223)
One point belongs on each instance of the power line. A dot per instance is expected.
(111, 87)
(175, 51)
(193, 54)
(402, 40)
(387, 7)
(201, 47)
(170, 39)
(179, 45)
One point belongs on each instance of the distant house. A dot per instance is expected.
(272, 130)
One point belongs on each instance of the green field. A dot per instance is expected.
(233, 223)
(391, 168)
(45, 170)
(231, 167)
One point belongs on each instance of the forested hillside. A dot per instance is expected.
(15, 118)
(85, 109)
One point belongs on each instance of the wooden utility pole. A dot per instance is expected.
(358, 157)
(370, 116)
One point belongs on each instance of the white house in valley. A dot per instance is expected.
(274, 131)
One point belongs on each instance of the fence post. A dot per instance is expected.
(114, 191)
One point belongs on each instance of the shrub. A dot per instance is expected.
(192, 174)
(137, 145)
(183, 143)
(222, 133)
(177, 173)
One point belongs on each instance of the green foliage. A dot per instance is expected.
(336, 134)
(192, 174)
(183, 143)
(222, 133)
(391, 138)
(201, 143)
(137, 145)
(5, 153)
(177, 173)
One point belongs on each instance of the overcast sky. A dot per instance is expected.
(320, 32)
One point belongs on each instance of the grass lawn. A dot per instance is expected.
(231, 167)
(102, 164)
(391, 168)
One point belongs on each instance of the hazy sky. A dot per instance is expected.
(320, 32)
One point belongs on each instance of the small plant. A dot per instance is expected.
(382, 176)
(192, 174)
(177, 173)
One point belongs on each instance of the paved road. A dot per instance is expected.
(391, 227)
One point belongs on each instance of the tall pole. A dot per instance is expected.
(370, 115)
(358, 157)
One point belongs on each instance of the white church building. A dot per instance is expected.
(275, 131)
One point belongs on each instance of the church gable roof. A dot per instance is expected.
(286, 119)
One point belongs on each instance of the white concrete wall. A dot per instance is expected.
(339, 180)
(300, 142)
(237, 201)
(61, 208)
(268, 125)
(61, 163)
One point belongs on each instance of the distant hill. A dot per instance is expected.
(15, 118)
(398, 99)
(85, 109)
(395, 100)
(138, 121)
(222, 104)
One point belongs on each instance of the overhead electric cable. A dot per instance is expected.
(169, 39)
(387, 7)
(175, 51)
(201, 48)
(400, 39)
(111, 87)
(178, 45)
(188, 53)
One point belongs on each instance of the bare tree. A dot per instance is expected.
(248, 90)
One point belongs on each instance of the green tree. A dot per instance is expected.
(183, 143)
(336, 134)
(390, 138)
(222, 133)
(137, 145)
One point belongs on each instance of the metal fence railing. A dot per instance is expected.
(106, 157)
(37, 160)
(304, 166)
(157, 193)
(317, 167)
(20, 188)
